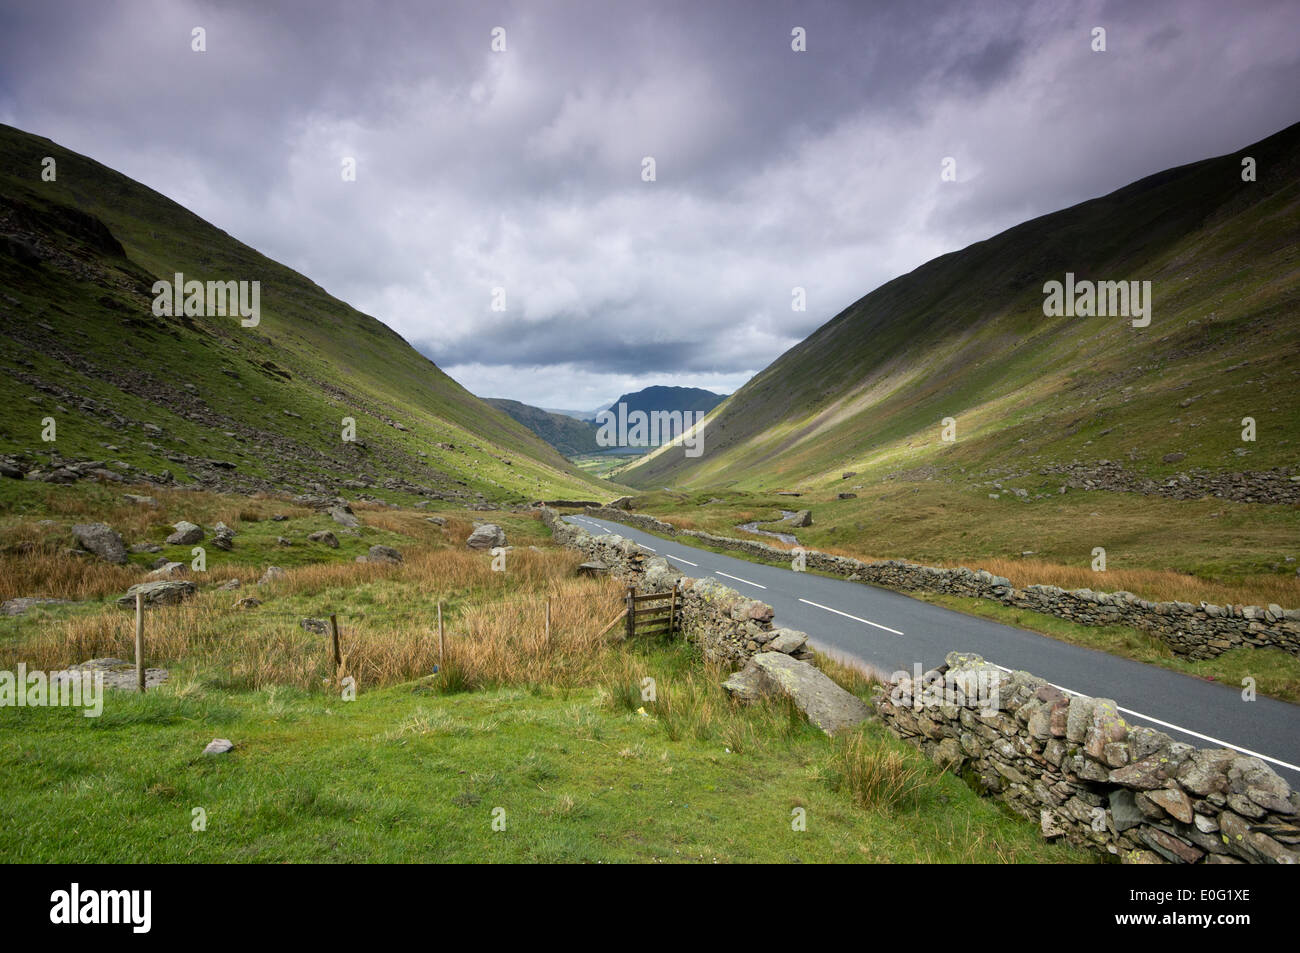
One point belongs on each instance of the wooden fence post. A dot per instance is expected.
(334, 634)
(139, 641)
(672, 613)
(631, 612)
(440, 635)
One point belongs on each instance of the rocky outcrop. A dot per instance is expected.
(823, 703)
(1074, 765)
(164, 592)
(1196, 631)
(486, 536)
(186, 534)
(102, 540)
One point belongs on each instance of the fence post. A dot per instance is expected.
(672, 614)
(440, 634)
(334, 634)
(631, 612)
(139, 641)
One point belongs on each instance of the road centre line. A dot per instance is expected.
(854, 617)
(738, 579)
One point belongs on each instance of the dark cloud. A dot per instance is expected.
(521, 170)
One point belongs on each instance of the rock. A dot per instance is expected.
(247, 602)
(271, 575)
(318, 626)
(437, 520)
(18, 606)
(383, 554)
(145, 548)
(228, 585)
(487, 536)
(122, 675)
(163, 592)
(326, 537)
(343, 515)
(102, 540)
(824, 703)
(846, 496)
(169, 570)
(282, 541)
(1177, 804)
(1050, 825)
(141, 500)
(1173, 458)
(186, 534)
(788, 641)
(218, 746)
(622, 503)
(802, 518)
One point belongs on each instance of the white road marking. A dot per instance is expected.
(651, 548)
(680, 560)
(1169, 724)
(738, 579)
(854, 617)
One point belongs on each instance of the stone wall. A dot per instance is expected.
(728, 627)
(1195, 631)
(1074, 765)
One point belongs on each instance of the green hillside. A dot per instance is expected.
(205, 398)
(568, 435)
(1055, 400)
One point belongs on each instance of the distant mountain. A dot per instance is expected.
(576, 414)
(670, 399)
(197, 394)
(965, 366)
(565, 433)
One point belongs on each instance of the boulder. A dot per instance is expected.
(186, 534)
(383, 554)
(788, 641)
(271, 575)
(169, 570)
(326, 537)
(102, 540)
(802, 518)
(824, 703)
(162, 592)
(487, 536)
(343, 515)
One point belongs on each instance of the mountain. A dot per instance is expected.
(208, 400)
(566, 434)
(669, 399)
(965, 336)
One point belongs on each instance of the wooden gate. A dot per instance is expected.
(652, 613)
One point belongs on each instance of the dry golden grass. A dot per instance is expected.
(495, 624)
(877, 777)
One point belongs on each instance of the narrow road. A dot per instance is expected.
(891, 632)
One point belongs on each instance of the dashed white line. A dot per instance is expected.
(854, 617)
(1169, 724)
(680, 560)
(738, 579)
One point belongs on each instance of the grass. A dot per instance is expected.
(405, 774)
(594, 749)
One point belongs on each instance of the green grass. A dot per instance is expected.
(407, 774)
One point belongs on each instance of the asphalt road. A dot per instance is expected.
(891, 631)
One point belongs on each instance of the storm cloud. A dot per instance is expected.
(522, 169)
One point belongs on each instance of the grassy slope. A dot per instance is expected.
(568, 435)
(964, 336)
(106, 345)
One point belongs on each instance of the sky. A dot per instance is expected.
(523, 169)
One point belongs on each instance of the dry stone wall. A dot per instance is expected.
(1197, 631)
(1074, 764)
(727, 626)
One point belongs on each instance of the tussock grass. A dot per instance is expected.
(876, 776)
